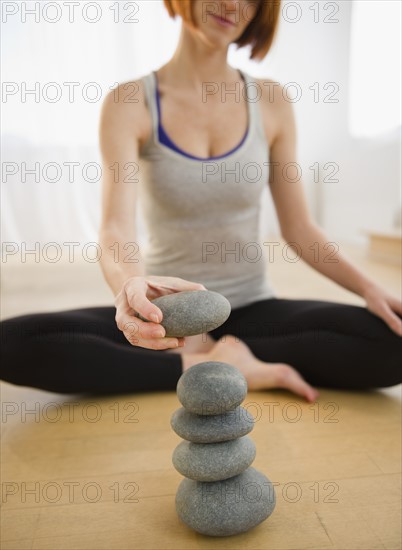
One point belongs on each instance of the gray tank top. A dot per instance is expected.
(202, 215)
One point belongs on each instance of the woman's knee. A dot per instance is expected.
(11, 334)
(20, 339)
(385, 362)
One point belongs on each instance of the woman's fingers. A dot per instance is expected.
(173, 284)
(139, 288)
(396, 305)
(136, 293)
(144, 334)
(136, 328)
(393, 321)
(288, 378)
(390, 318)
(158, 343)
(148, 335)
(386, 307)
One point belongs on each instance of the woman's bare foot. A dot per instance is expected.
(196, 350)
(200, 343)
(259, 375)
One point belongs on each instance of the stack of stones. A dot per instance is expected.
(221, 494)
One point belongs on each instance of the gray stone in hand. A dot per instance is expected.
(211, 387)
(214, 461)
(212, 429)
(192, 312)
(227, 507)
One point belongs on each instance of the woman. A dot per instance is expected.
(193, 140)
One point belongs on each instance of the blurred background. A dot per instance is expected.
(340, 60)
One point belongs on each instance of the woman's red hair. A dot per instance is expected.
(259, 34)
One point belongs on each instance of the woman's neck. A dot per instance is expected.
(195, 63)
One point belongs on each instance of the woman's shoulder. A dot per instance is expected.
(129, 93)
(270, 91)
(276, 104)
(125, 106)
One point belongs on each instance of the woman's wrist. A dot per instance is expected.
(118, 279)
(368, 288)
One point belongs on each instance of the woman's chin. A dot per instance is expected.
(216, 43)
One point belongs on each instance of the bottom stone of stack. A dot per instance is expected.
(227, 507)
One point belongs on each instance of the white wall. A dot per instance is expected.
(367, 195)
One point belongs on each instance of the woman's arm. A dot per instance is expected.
(119, 136)
(124, 125)
(308, 239)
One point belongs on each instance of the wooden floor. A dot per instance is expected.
(97, 473)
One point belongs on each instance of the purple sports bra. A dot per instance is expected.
(165, 139)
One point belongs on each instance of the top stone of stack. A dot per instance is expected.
(211, 388)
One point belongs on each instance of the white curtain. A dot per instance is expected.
(69, 60)
(72, 65)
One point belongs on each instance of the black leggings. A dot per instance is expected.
(82, 351)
